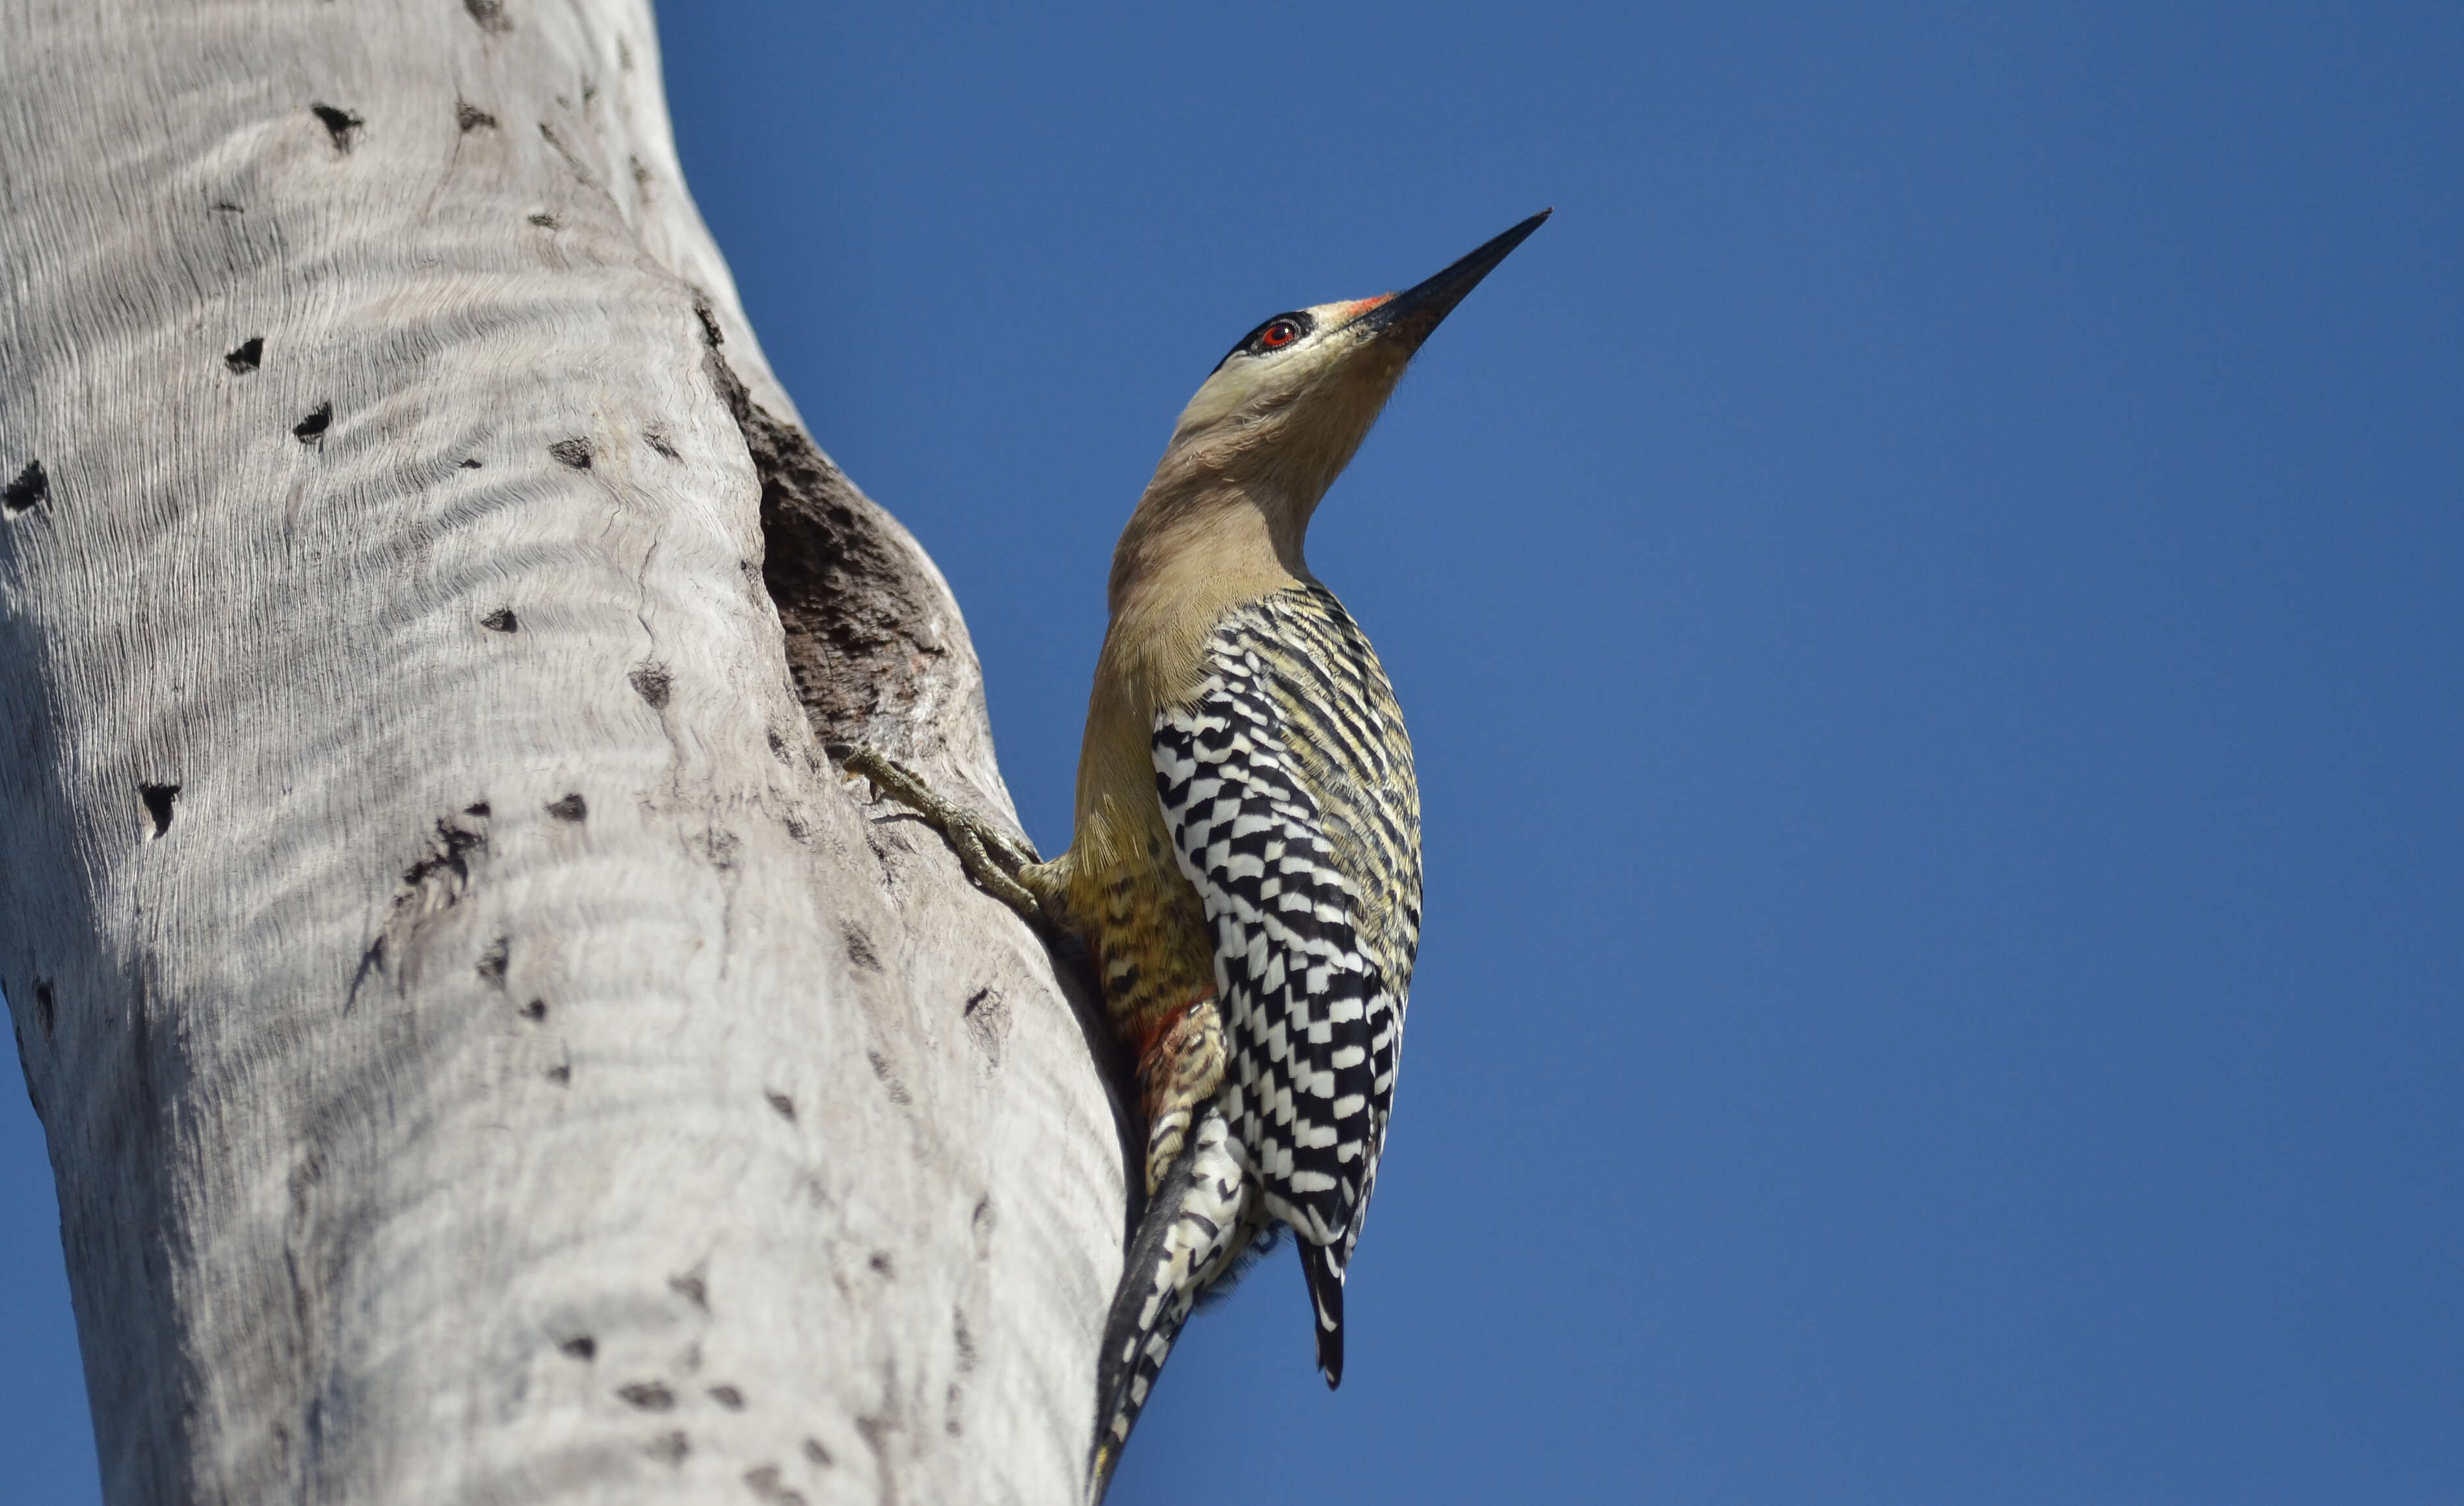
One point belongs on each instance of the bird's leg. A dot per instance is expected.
(1180, 1067)
(1006, 867)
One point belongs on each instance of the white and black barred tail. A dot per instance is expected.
(1197, 1226)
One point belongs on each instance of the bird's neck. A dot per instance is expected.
(1182, 536)
(1189, 554)
(1194, 548)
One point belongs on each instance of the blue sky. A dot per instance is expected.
(1930, 602)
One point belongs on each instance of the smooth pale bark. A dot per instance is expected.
(487, 1054)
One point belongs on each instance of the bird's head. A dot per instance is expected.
(1284, 413)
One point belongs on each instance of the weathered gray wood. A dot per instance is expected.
(512, 1066)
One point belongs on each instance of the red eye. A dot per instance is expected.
(1283, 332)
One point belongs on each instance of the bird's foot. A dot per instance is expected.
(992, 856)
(1179, 1070)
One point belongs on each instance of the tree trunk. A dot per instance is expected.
(488, 1052)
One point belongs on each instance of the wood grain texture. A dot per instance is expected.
(486, 1054)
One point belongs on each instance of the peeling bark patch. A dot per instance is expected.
(572, 808)
(651, 682)
(371, 960)
(875, 1432)
(431, 885)
(859, 950)
(311, 431)
(341, 124)
(580, 1347)
(729, 1397)
(47, 1009)
(986, 1013)
(31, 489)
(535, 1011)
(158, 799)
(490, 14)
(764, 1483)
(469, 118)
(547, 133)
(669, 1448)
(718, 848)
(859, 613)
(448, 853)
(493, 962)
(657, 439)
(816, 1454)
(649, 1396)
(783, 1105)
(249, 355)
(898, 1093)
(501, 620)
(547, 222)
(965, 1340)
(574, 452)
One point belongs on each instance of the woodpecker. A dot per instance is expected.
(1245, 870)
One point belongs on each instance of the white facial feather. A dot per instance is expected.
(1249, 386)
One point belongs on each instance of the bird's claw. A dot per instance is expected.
(992, 856)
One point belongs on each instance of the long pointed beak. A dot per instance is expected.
(1408, 316)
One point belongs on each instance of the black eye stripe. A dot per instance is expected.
(1254, 343)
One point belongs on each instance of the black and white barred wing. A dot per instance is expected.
(1312, 1023)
